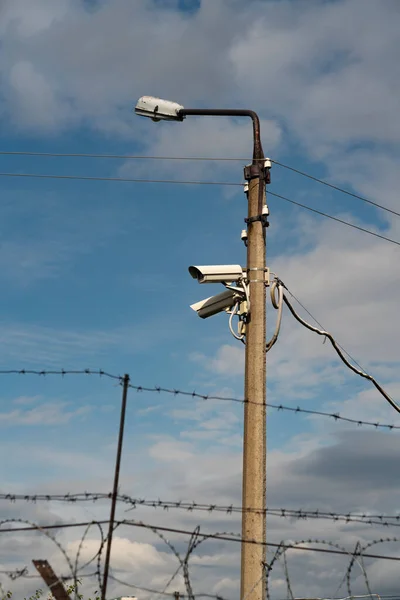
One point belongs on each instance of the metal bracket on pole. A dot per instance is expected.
(255, 171)
(265, 281)
(263, 218)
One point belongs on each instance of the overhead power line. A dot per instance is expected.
(198, 158)
(336, 187)
(121, 179)
(121, 156)
(342, 221)
(195, 182)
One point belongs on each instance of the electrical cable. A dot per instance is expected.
(196, 158)
(327, 335)
(125, 156)
(122, 179)
(278, 304)
(188, 182)
(335, 187)
(247, 292)
(322, 214)
(233, 313)
(322, 327)
(211, 536)
(141, 588)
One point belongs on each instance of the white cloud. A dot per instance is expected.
(171, 451)
(47, 413)
(126, 554)
(327, 75)
(229, 360)
(29, 20)
(326, 82)
(34, 102)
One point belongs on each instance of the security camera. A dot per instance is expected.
(215, 304)
(216, 273)
(158, 109)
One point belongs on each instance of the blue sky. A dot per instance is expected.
(94, 273)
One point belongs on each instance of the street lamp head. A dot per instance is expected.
(158, 109)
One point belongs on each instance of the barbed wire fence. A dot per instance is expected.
(335, 417)
(99, 563)
(194, 539)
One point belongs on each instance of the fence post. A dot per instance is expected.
(115, 488)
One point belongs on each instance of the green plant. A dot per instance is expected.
(39, 593)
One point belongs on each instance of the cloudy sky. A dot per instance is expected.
(94, 275)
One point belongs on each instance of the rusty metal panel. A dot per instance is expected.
(50, 578)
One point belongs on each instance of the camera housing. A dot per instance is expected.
(216, 273)
(216, 304)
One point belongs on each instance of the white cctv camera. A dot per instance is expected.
(216, 273)
(158, 109)
(215, 304)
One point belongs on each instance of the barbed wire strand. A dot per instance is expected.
(200, 396)
(141, 588)
(361, 553)
(80, 547)
(283, 512)
(41, 529)
(286, 571)
(196, 538)
(61, 372)
(283, 549)
(278, 407)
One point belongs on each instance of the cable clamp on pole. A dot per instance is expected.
(259, 170)
(266, 272)
(263, 218)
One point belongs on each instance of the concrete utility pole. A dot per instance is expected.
(254, 437)
(254, 441)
